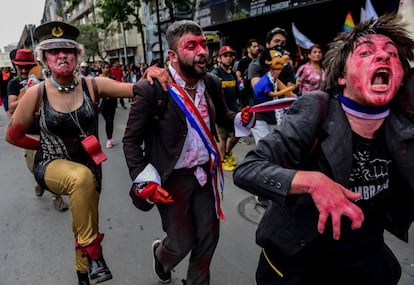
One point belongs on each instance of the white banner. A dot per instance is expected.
(5, 60)
(300, 39)
(406, 9)
(368, 13)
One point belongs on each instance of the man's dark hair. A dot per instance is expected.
(389, 25)
(179, 28)
(250, 42)
(275, 31)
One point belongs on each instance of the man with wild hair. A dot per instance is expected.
(338, 170)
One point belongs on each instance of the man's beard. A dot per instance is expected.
(191, 70)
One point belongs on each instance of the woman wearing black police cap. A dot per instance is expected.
(69, 156)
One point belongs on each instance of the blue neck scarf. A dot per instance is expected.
(363, 112)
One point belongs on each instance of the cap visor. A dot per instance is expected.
(58, 45)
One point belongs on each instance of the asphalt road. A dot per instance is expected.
(36, 241)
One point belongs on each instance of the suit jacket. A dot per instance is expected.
(290, 222)
(160, 142)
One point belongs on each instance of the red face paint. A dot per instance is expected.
(192, 53)
(373, 71)
(62, 62)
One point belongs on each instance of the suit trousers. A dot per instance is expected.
(191, 225)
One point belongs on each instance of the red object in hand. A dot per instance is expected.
(93, 148)
(246, 115)
(155, 193)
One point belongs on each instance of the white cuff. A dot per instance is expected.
(149, 174)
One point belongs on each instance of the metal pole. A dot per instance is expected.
(159, 32)
(125, 48)
(31, 36)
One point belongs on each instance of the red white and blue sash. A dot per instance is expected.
(186, 104)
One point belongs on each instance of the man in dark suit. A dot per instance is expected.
(174, 161)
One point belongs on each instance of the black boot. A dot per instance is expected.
(83, 278)
(98, 271)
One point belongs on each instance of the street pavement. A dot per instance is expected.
(37, 246)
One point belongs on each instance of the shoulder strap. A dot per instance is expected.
(94, 87)
(94, 100)
(39, 95)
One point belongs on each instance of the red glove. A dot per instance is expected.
(153, 192)
(246, 116)
(16, 135)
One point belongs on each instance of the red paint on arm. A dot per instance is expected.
(16, 135)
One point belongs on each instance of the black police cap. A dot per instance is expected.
(56, 30)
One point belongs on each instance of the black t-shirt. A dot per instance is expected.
(243, 64)
(14, 87)
(371, 176)
(229, 85)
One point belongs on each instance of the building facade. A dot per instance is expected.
(224, 21)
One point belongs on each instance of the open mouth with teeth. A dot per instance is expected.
(380, 78)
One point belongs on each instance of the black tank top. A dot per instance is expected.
(60, 137)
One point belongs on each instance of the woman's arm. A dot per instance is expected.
(107, 87)
(22, 119)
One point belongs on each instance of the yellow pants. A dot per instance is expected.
(66, 177)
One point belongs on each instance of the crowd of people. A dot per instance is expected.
(332, 169)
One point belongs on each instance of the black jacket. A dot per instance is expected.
(290, 222)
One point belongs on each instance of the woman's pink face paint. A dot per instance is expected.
(62, 62)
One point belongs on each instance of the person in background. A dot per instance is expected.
(96, 68)
(311, 74)
(107, 107)
(6, 77)
(212, 62)
(176, 164)
(84, 70)
(338, 170)
(142, 68)
(252, 52)
(266, 121)
(117, 73)
(24, 62)
(227, 139)
(68, 154)
(127, 73)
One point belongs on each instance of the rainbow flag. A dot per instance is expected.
(349, 23)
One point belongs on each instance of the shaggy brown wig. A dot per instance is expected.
(389, 25)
